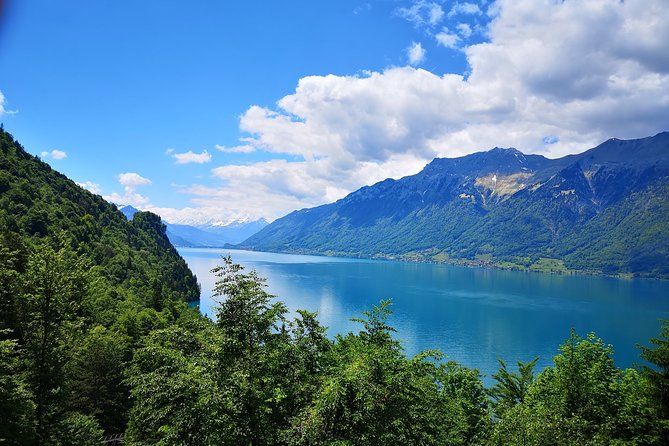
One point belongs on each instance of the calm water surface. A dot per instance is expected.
(473, 315)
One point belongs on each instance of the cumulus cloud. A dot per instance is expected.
(130, 182)
(91, 187)
(242, 148)
(447, 39)
(192, 157)
(465, 8)
(3, 106)
(465, 30)
(422, 13)
(54, 154)
(271, 189)
(524, 84)
(415, 53)
(607, 75)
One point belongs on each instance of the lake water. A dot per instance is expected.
(473, 315)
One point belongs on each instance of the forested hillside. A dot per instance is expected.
(39, 206)
(79, 288)
(604, 210)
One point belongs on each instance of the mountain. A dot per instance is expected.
(604, 210)
(235, 231)
(129, 211)
(41, 207)
(206, 235)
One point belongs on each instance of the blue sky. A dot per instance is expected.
(123, 86)
(115, 84)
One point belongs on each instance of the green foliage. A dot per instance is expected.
(80, 287)
(39, 203)
(584, 399)
(256, 377)
(238, 381)
(16, 404)
(95, 377)
(96, 338)
(511, 387)
(658, 376)
(50, 309)
(77, 430)
(172, 380)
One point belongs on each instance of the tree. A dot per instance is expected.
(55, 288)
(77, 430)
(372, 394)
(95, 378)
(176, 399)
(251, 365)
(584, 399)
(10, 285)
(658, 375)
(16, 406)
(511, 388)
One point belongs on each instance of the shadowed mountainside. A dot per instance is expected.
(604, 210)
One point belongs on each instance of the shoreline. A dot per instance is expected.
(465, 263)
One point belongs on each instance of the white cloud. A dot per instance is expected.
(192, 157)
(465, 8)
(447, 39)
(465, 30)
(3, 106)
(415, 53)
(271, 189)
(422, 13)
(607, 75)
(91, 187)
(435, 14)
(130, 182)
(54, 154)
(242, 148)
(524, 84)
(362, 8)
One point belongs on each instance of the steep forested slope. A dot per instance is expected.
(37, 204)
(80, 287)
(603, 210)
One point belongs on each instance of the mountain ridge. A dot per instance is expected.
(499, 207)
(206, 235)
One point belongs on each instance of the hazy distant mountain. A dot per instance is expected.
(129, 211)
(235, 231)
(606, 209)
(207, 235)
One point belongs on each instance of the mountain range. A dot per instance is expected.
(605, 210)
(207, 235)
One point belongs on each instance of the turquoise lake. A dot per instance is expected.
(473, 315)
